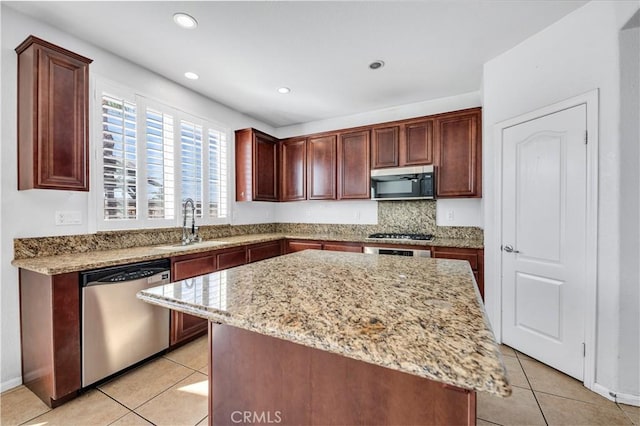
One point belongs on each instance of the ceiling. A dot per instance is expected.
(244, 51)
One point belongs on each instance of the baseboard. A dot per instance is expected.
(10, 384)
(622, 398)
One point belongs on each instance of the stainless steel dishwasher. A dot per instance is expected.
(118, 329)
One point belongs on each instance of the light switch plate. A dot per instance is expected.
(72, 217)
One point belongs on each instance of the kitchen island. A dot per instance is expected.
(320, 337)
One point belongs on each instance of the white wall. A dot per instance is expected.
(31, 213)
(466, 212)
(577, 54)
(629, 208)
(363, 212)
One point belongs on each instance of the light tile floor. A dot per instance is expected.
(172, 390)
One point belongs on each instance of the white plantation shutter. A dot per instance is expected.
(159, 152)
(152, 157)
(119, 164)
(217, 142)
(191, 163)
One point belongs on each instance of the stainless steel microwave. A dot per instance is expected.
(403, 183)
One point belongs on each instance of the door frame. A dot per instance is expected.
(590, 99)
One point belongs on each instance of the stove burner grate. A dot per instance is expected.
(393, 236)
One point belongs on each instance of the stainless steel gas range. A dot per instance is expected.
(419, 251)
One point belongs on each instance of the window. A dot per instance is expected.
(153, 157)
(191, 164)
(217, 173)
(160, 170)
(119, 158)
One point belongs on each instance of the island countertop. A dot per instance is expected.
(415, 315)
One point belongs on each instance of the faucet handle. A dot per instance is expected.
(195, 236)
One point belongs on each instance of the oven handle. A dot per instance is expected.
(397, 252)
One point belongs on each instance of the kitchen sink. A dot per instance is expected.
(179, 246)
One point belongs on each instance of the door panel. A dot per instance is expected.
(544, 223)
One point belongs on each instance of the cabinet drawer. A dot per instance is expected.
(350, 247)
(231, 257)
(294, 246)
(264, 251)
(192, 267)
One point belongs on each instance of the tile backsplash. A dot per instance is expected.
(393, 216)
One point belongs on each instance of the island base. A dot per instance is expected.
(256, 379)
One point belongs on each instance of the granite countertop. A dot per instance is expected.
(415, 315)
(59, 264)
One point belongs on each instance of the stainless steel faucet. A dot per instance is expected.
(189, 237)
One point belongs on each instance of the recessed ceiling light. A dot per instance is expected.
(284, 90)
(185, 21)
(191, 75)
(376, 64)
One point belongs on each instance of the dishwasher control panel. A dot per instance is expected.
(134, 275)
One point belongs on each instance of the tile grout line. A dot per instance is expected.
(532, 391)
(130, 410)
(164, 391)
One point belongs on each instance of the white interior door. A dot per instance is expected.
(543, 238)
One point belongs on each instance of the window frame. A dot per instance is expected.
(142, 102)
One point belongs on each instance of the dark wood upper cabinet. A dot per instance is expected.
(53, 114)
(337, 164)
(459, 154)
(321, 167)
(354, 181)
(256, 166)
(403, 144)
(293, 170)
(416, 147)
(385, 147)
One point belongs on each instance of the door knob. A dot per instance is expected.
(509, 249)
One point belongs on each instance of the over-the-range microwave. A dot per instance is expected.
(403, 183)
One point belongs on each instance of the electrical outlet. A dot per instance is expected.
(450, 215)
(357, 215)
(73, 217)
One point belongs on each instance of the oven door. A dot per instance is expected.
(397, 251)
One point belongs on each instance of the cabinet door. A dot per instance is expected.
(354, 180)
(385, 147)
(417, 146)
(53, 131)
(50, 335)
(459, 156)
(293, 170)
(321, 167)
(228, 258)
(184, 267)
(185, 327)
(265, 170)
(264, 251)
(337, 246)
(299, 245)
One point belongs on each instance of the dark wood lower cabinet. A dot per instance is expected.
(475, 257)
(228, 258)
(287, 383)
(299, 245)
(336, 246)
(263, 251)
(293, 246)
(185, 327)
(50, 335)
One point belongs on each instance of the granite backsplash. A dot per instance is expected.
(393, 216)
